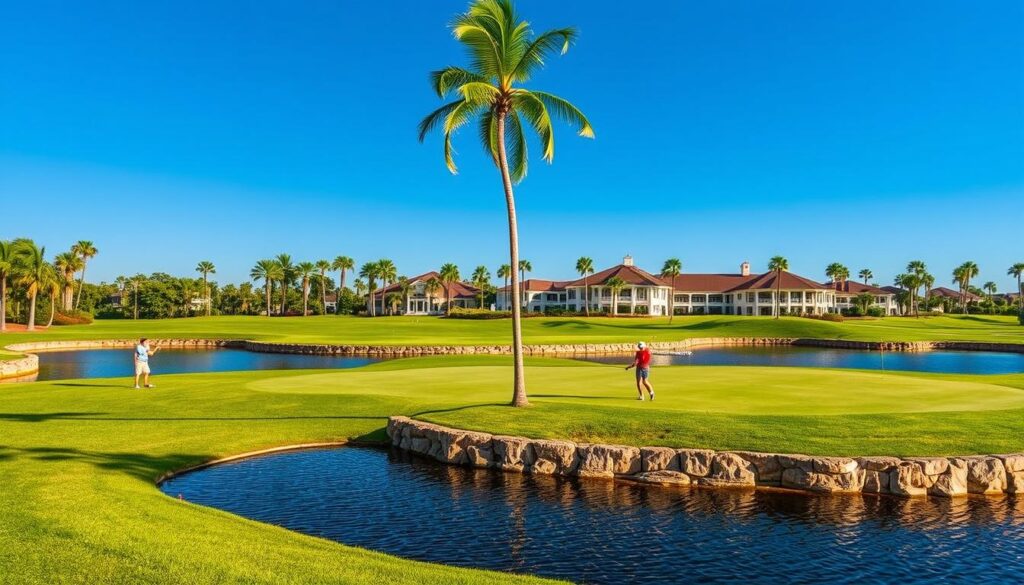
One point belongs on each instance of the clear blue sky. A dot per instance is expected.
(869, 133)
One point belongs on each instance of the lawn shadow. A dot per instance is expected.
(86, 385)
(458, 408)
(99, 416)
(35, 417)
(139, 465)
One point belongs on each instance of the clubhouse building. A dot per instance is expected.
(420, 299)
(742, 293)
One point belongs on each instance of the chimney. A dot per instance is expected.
(627, 261)
(745, 268)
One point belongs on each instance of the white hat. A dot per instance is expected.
(641, 345)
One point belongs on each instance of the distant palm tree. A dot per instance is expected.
(67, 264)
(268, 271)
(432, 287)
(967, 271)
(388, 274)
(405, 289)
(927, 282)
(6, 266)
(616, 285)
(919, 270)
(52, 288)
(524, 267)
(206, 268)
(449, 274)
(323, 266)
(34, 273)
(342, 264)
(504, 272)
(778, 265)
(481, 279)
(865, 273)
(287, 278)
(360, 287)
(305, 272)
(837, 272)
(370, 271)
(585, 267)
(86, 251)
(136, 282)
(990, 287)
(1017, 270)
(670, 270)
(503, 52)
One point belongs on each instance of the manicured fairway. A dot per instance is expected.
(537, 330)
(78, 458)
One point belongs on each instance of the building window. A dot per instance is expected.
(572, 294)
(682, 298)
(641, 294)
(552, 297)
(764, 297)
(698, 298)
(750, 299)
(795, 297)
(715, 299)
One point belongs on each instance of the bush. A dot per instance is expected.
(876, 312)
(1020, 317)
(831, 317)
(72, 318)
(461, 313)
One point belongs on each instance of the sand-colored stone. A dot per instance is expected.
(553, 457)
(607, 460)
(985, 475)
(908, 479)
(512, 453)
(658, 459)
(695, 462)
(729, 469)
(663, 477)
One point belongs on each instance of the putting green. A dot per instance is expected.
(718, 390)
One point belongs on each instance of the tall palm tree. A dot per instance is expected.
(1017, 270)
(388, 274)
(504, 52)
(206, 268)
(268, 271)
(449, 274)
(323, 266)
(918, 269)
(305, 272)
(342, 264)
(405, 289)
(616, 285)
(504, 272)
(837, 272)
(52, 288)
(34, 273)
(670, 270)
(927, 283)
(585, 267)
(865, 274)
(967, 271)
(524, 266)
(67, 264)
(287, 277)
(86, 251)
(990, 287)
(432, 287)
(137, 281)
(360, 287)
(481, 279)
(6, 266)
(370, 271)
(778, 265)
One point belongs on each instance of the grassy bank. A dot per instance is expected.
(78, 458)
(539, 330)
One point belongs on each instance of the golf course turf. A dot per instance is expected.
(78, 458)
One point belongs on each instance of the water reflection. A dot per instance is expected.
(963, 362)
(613, 532)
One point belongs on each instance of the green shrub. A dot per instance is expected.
(1020, 317)
(876, 312)
(72, 318)
(461, 313)
(832, 317)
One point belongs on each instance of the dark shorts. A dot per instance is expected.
(643, 373)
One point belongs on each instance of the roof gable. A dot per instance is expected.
(630, 274)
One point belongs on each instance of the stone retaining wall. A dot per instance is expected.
(919, 476)
(19, 367)
(530, 350)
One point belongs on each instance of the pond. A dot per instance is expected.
(949, 362)
(112, 363)
(597, 531)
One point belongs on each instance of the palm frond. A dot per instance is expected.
(567, 112)
(484, 49)
(445, 80)
(476, 91)
(546, 43)
(457, 118)
(435, 117)
(517, 150)
(536, 114)
(489, 135)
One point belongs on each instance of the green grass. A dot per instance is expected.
(538, 330)
(78, 458)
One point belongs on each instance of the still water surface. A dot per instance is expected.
(598, 531)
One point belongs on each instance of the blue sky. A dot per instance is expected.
(869, 133)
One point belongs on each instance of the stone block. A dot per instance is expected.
(952, 481)
(769, 470)
(875, 463)
(553, 457)
(985, 475)
(876, 482)
(908, 479)
(658, 459)
(802, 462)
(1013, 462)
(932, 465)
(512, 453)
(695, 462)
(833, 465)
(607, 460)
(663, 477)
(729, 469)
(815, 481)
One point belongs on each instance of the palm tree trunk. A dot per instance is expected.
(53, 305)
(671, 302)
(81, 283)
(206, 287)
(518, 371)
(1020, 296)
(778, 285)
(268, 297)
(586, 295)
(323, 292)
(3, 302)
(284, 295)
(32, 312)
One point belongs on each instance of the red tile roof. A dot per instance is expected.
(540, 285)
(789, 281)
(941, 291)
(630, 274)
(855, 288)
(459, 290)
(709, 282)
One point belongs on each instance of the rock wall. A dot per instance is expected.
(19, 367)
(919, 476)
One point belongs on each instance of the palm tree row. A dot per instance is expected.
(23, 264)
(281, 270)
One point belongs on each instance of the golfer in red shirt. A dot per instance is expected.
(642, 363)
